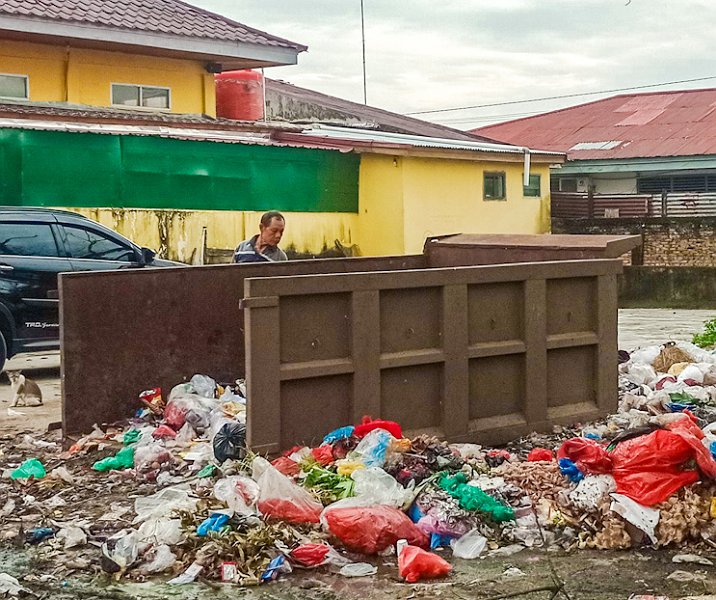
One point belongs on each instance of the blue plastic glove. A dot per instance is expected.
(214, 523)
(570, 470)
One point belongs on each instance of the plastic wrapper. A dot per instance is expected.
(282, 499)
(469, 546)
(371, 529)
(230, 442)
(373, 447)
(240, 494)
(415, 564)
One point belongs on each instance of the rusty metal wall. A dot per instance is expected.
(480, 354)
(124, 331)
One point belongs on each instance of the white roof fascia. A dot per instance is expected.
(358, 135)
(216, 48)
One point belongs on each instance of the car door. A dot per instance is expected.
(30, 261)
(92, 248)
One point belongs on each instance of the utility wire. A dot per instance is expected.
(624, 89)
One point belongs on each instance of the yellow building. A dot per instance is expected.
(158, 57)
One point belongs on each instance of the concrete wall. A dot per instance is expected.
(80, 76)
(668, 287)
(677, 242)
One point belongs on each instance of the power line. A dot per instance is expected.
(625, 89)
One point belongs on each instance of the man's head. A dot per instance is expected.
(271, 227)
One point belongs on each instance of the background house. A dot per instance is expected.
(108, 109)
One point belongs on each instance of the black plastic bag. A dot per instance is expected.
(230, 442)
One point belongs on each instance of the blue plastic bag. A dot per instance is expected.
(712, 448)
(277, 566)
(339, 434)
(214, 523)
(440, 541)
(570, 470)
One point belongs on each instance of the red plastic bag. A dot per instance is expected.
(323, 455)
(415, 564)
(175, 415)
(282, 499)
(164, 431)
(369, 425)
(286, 466)
(691, 433)
(649, 468)
(310, 555)
(371, 529)
(589, 456)
(538, 454)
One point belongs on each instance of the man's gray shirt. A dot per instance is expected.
(246, 252)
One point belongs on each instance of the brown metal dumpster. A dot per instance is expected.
(488, 249)
(480, 353)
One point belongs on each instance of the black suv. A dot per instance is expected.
(36, 244)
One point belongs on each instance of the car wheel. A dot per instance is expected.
(3, 352)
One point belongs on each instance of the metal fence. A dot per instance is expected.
(568, 205)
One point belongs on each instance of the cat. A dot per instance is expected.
(23, 388)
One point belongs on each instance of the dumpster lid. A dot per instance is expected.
(607, 246)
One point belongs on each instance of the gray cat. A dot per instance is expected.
(23, 388)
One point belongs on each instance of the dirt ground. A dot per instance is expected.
(587, 575)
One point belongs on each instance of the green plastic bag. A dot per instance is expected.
(30, 468)
(124, 459)
(473, 498)
(131, 436)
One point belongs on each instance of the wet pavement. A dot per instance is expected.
(647, 326)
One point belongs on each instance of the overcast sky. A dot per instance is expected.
(432, 54)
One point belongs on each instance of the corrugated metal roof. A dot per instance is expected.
(157, 16)
(656, 124)
(387, 139)
(379, 118)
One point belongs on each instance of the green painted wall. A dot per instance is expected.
(47, 168)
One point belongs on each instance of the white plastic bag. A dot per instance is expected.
(163, 503)
(372, 449)
(203, 385)
(644, 518)
(122, 548)
(641, 374)
(161, 532)
(161, 559)
(240, 494)
(72, 536)
(469, 546)
(375, 485)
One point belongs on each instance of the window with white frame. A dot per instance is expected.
(14, 86)
(144, 96)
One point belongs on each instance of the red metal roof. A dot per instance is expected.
(679, 123)
(157, 16)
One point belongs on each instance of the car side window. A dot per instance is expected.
(27, 239)
(87, 243)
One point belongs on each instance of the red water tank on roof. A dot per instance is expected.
(240, 95)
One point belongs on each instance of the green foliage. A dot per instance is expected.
(707, 339)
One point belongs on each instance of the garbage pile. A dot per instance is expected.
(175, 492)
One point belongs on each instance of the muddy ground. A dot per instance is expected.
(588, 575)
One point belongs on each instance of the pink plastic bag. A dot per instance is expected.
(415, 564)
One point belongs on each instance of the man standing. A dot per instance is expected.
(264, 246)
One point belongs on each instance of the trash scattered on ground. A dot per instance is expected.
(175, 493)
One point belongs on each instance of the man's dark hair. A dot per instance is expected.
(269, 216)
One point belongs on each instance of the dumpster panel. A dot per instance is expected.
(481, 354)
(122, 332)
